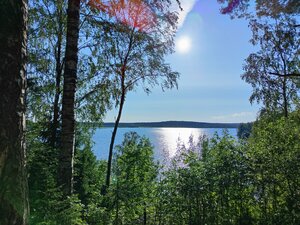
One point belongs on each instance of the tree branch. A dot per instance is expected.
(95, 89)
(286, 75)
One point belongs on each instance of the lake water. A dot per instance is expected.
(164, 140)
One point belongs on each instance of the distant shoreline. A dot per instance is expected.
(174, 124)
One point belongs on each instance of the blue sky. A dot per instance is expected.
(210, 87)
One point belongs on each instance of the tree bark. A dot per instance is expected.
(70, 79)
(113, 136)
(285, 98)
(58, 70)
(13, 177)
(122, 100)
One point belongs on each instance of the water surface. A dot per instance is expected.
(164, 140)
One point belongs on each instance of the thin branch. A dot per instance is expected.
(95, 89)
(179, 5)
(132, 82)
(289, 75)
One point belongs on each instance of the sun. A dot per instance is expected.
(183, 44)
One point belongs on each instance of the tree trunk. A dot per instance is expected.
(285, 101)
(112, 142)
(13, 177)
(122, 100)
(68, 100)
(58, 70)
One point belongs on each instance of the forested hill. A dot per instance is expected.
(188, 124)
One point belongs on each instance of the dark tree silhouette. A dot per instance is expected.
(13, 177)
(68, 100)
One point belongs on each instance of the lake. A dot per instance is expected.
(164, 140)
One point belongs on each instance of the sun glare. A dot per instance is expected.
(183, 44)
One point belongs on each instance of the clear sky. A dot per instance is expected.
(210, 53)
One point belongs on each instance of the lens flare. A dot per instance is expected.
(133, 13)
(183, 44)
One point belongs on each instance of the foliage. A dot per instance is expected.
(210, 181)
(137, 35)
(244, 130)
(45, 55)
(42, 166)
(139, 55)
(272, 8)
(273, 71)
(207, 188)
(252, 182)
(47, 34)
(47, 204)
(134, 181)
(274, 153)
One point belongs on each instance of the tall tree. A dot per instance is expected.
(58, 71)
(13, 52)
(48, 25)
(47, 31)
(68, 101)
(274, 70)
(136, 38)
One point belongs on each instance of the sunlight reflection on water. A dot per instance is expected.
(169, 138)
(164, 140)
